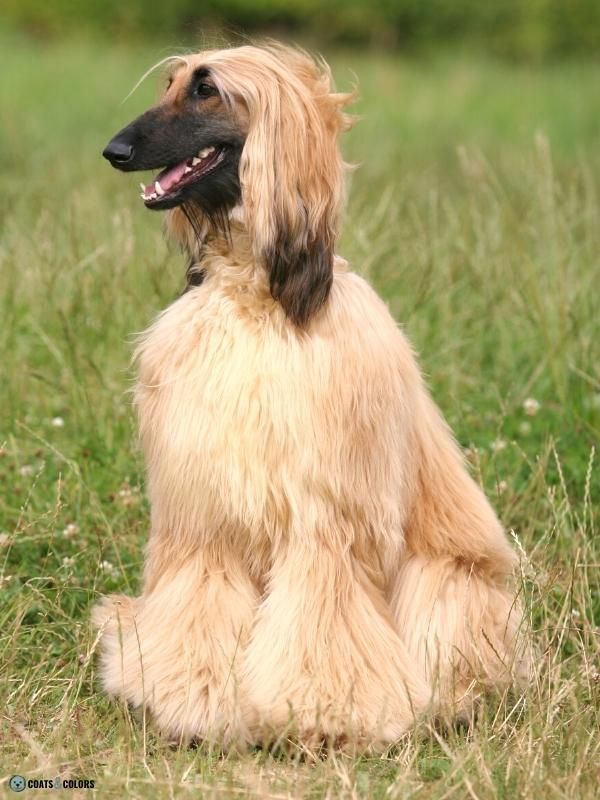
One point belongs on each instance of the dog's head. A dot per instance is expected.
(256, 128)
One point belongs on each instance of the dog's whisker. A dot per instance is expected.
(150, 70)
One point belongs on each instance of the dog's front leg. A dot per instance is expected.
(324, 663)
(175, 650)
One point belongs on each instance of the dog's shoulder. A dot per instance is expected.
(355, 301)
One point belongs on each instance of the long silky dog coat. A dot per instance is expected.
(320, 563)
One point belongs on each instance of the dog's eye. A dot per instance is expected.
(204, 89)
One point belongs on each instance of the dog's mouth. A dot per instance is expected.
(168, 187)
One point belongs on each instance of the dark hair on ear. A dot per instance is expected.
(291, 170)
(300, 275)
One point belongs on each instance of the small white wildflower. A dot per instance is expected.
(129, 495)
(524, 428)
(109, 568)
(594, 675)
(497, 445)
(4, 579)
(57, 422)
(531, 406)
(4, 539)
(502, 487)
(72, 529)
(68, 561)
(26, 470)
(575, 614)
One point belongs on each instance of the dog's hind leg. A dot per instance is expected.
(451, 598)
(461, 628)
(175, 650)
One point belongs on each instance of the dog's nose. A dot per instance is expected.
(118, 152)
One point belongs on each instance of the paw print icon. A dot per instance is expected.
(17, 783)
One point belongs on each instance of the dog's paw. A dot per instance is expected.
(347, 691)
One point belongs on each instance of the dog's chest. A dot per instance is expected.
(205, 378)
(258, 429)
(226, 413)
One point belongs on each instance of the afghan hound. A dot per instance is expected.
(320, 564)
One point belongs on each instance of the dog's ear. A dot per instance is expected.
(291, 173)
(300, 267)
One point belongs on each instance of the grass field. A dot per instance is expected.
(476, 214)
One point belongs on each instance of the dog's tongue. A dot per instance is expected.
(168, 177)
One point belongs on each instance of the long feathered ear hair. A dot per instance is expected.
(291, 169)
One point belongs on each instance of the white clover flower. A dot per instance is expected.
(497, 445)
(531, 406)
(68, 561)
(57, 422)
(72, 529)
(502, 487)
(26, 470)
(129, 495)
(109, 569)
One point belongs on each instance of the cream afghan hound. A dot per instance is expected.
(320, 564)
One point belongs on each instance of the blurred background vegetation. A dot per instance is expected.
(523, 29)
(474, 213)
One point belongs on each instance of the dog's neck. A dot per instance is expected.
(228, 259)
(233, 246)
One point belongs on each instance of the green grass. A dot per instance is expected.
(475, 213)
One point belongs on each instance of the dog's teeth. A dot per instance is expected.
(186, 170)
(159, 190)
(207, 151)
(196, 161)
(143, 195)
(143, 187)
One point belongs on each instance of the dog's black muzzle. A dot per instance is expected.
(149, 142)
(159, 138)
